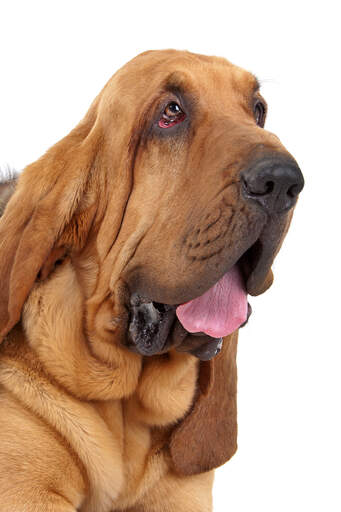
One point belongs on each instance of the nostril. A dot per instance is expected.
(294, 190)
(269, 186)
(262, 189)
(258, 188)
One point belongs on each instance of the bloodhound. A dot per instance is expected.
(127, 253)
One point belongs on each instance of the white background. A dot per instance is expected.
(56, 56)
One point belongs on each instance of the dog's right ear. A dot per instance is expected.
(207, 437)
(43, 213)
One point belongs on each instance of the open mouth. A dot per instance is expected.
(199, 325)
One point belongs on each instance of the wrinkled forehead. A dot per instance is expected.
(212, 75)
(206, 78)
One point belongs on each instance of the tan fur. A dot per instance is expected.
(86, 424)
(111, 438)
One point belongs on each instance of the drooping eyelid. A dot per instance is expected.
(170, 97)
(181, 89)
(166, 97)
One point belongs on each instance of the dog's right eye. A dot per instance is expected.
(172, 114)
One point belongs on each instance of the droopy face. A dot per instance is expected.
(211, 188)
(186, 191)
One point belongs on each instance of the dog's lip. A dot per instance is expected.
(151, 331)
(256, 262)
(149, 325)
(254, 266)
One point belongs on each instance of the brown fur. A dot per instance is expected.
(86, 424)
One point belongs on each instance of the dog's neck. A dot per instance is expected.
(53, 319)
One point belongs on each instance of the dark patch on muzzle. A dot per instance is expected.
(149, 325)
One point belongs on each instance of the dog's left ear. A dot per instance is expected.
(43, 214)
(207, 437)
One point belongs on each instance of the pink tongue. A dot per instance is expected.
(220, 310)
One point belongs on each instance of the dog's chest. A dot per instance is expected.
(142, 424)
(143, 450)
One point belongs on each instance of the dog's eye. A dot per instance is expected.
(259, 113)
(172, 114)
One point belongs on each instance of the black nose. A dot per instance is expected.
(274, 183)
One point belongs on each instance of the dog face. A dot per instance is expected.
(212, 190)
(169, 186)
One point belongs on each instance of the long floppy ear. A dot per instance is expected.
(47, 196)
(207, 437)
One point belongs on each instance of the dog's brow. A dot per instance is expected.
(176, 82)
(174, 87)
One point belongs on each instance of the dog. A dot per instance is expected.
(127, 253)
